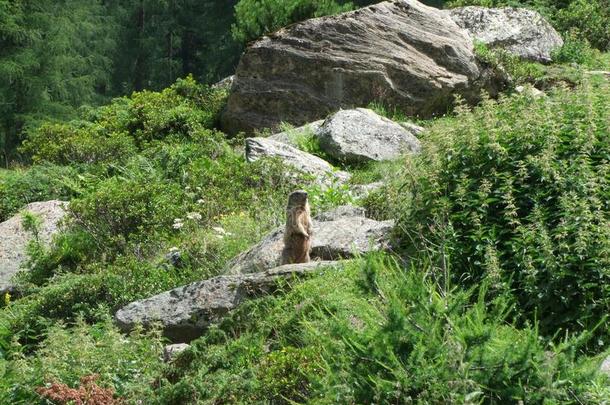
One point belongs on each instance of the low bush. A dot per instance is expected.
(519, 71)
(125, 365)
(122, 213)
(70, 295)
(78, 142)
(113, 133)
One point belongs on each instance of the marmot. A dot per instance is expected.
(299, 229)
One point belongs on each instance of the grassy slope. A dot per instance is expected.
(373, 332)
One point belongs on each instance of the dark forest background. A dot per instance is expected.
(58, 55)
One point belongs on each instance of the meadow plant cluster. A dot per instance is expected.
(514, 196)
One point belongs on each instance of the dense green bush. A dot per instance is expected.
(69, 296)
(124, 211)
(110, 134)
(126, 363)
(66, 144)
(373, 332)
(589, 18)
(516, 194)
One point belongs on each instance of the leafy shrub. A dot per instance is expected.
(111, 134)
(125, 211)
(324, 197)
(129, 279)
(575, 50)
(84, 142)
(516, 194)
(124, 364)
(67, 252)
(181, 110)
(70, 295)
(284, 374)
(520, 71)
(590, 18)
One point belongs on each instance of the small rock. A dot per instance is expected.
(534, 92)
(413, 129)
(225, 83)
(186, 312)
(14, 238)
(362, 190)
(257, 148)
(605, 367)
(520, 31)
(360, 135)
(170, 352)
(174, 257)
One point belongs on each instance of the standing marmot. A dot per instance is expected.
(299, 230)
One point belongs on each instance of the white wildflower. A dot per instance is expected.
(194, 216)
(219, 230)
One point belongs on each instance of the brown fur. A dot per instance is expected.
(299, 229)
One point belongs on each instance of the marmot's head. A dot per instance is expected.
(297, 199)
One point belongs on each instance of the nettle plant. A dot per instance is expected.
(517, 195)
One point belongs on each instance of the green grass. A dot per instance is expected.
(376, 332)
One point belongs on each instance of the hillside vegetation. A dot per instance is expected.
(496, 289)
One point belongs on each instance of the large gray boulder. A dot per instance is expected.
(257, 148)
(185, 312)
(409, 55)
(14, 238)
(360, 135)
(341, 233)
(520, 31)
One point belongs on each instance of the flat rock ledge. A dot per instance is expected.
(170, 352)
(14, 238)
(342, 233)
(257, 148)
(185, 312)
